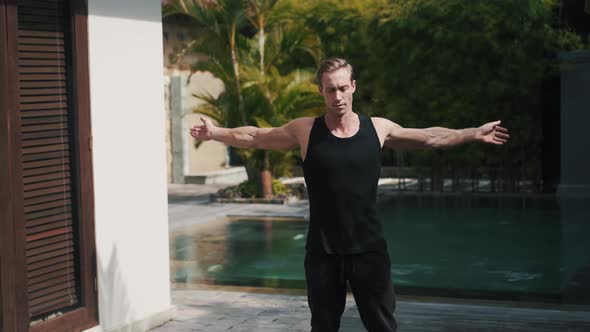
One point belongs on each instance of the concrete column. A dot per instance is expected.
(177, 132)
(574, 187)
(575, 120)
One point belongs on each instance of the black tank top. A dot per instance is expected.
(341, 175)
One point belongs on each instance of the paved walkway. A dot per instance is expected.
(213, 310)
(239, 310)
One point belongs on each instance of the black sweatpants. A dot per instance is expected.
(369, 277)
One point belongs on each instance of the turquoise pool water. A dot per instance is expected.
(457, 251)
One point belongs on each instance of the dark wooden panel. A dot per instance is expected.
(41, 98)
(46, 170)
(32, 268)
(32, 63)
(46, 213)
(47, 155)
(46, 307)
(24, 10)
(14, 316)
(42, 119)
(46, 184)
(62, 277)
(62, 126)
(61, 104)
(43, 163)
(46, 255)
(60, 271)
(53, 286)
(42, 77)
(42, 69)
(61, 171)
(49, 19)
(44, 220)
(41, 4)
(43, 134)
(47, 198)
(45, 141)
(49, 298)
(39, 275)
(46, 177)
(41, 27)
(48, 241)
(41, 192)
(38, 55)
(47, 205)
(48, 139)
(45, 148)
(43, 91)
(40, 48)
(46, 34)
(43, 84)
(45, 227)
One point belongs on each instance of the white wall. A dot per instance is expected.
(128, 120)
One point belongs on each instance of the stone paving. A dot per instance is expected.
(220, 310)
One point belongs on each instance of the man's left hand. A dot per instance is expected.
(492, 133)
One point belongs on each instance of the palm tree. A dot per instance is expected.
(223, 19)
(249, 68)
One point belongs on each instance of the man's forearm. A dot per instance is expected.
(442, 138)
(240, 137)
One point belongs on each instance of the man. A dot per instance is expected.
(341, 153)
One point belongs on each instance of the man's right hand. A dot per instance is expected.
(203, 132)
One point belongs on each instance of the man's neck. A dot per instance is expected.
(348, 121)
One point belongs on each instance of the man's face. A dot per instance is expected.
(337, 89)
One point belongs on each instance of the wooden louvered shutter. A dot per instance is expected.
(52, 208)
(52, 282)
(45, 120)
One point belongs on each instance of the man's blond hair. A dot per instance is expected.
(331, 65)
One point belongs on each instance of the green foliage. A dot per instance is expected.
(248, 189)
(460, 63)
(451, 63)
(279, 189)
(262, 87)
(420, 63)
(251, 189)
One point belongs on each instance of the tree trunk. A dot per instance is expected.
(266, 177)
(266, 183)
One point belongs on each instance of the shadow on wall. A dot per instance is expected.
(113, 297)
(128, 9)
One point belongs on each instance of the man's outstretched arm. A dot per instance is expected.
(280, 138)
(398, 137)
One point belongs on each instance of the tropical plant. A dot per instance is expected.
(451, 63)
(261, 86)
(461, 63)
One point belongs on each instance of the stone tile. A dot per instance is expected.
(212, 311)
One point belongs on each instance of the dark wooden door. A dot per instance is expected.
(48, 265)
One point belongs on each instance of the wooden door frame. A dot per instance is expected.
(13, 294)
(11, 199)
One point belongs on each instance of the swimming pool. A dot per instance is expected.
(480, 252)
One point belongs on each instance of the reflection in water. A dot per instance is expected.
(508, 251)
(244, 252)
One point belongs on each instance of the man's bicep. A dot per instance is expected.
(277, 138)
(386, 129)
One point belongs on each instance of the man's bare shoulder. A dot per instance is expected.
(300, 124)
(303, 121)
(382, 122)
